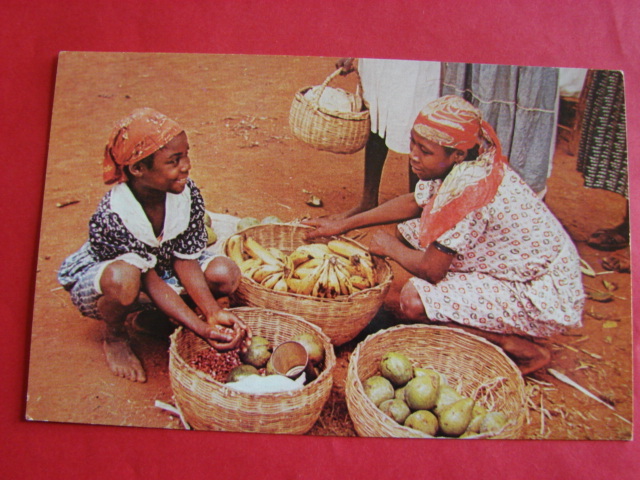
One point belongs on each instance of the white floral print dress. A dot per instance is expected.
(515, 271)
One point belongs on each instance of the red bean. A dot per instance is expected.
(217, 364)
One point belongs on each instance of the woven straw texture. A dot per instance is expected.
(468, 361)
(341, 318)
(328, 130)
(207, 404)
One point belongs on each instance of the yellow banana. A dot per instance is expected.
(315, 250)
(347, 249)
(281, 285)
(343, 279)
(343, 261)
(251, 271)
(294, 284)
(299, 256)
(333, 284)
(368, 271)
(362, 267)
(256, 250)
(277, 253)
(264, 271)
(234, 249)
(250, 263)
(359, 282)
(271, 280)
(307, 283)
(320, 288)
(313, 263)
(288, 267)
(303, 272)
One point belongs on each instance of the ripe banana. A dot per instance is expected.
(294, 284)
(263, 271)
(333, 284)
(359, 282)
(346, 288)
(298, 257)
(271, 280)
(250, 263)
(234, 249)
(363, 268)
(320, 286)
(277, 253)
(281, 285)
(347, 249)
(256, 250)
(313, 263)
(314, 250)
(306, 285)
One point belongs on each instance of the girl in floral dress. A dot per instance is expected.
(147, 238)
(485, 252)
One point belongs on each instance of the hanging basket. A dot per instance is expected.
(327, 129)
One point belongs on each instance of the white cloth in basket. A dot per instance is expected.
(257, 384)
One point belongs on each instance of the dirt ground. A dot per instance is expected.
(247, 163)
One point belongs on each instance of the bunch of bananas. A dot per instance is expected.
(320, 270)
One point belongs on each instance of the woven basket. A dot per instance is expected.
(207, 404)
(341, 318)
(328, 130)
(468, 361)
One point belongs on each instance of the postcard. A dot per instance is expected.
(415, 249)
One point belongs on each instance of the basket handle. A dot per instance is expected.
(330, 78)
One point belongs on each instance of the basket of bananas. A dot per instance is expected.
(335, 284)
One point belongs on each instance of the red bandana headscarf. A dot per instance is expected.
(135, 137)
(451, 121)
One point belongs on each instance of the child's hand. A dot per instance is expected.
(241, 332)
(325, 227)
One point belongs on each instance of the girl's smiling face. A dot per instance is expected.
(430, 161)
(170, 168)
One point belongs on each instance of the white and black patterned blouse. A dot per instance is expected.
(119, 230)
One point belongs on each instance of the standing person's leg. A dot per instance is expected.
(609, 239)
(375, 154)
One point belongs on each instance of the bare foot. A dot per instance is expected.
(527, 355)
(616, 264)
(121, 359)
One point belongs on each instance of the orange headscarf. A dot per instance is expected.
(451, 121)
(135, 137)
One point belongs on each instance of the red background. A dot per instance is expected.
(591, 33)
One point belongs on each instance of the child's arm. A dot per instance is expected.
(431, 265)
(170, 303)
(397, 209)
(192, 278)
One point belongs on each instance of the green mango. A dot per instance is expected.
(378, 389)
(455, 418)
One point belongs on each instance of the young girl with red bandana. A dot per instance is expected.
(486, 253)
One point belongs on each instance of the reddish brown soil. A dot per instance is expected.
(247, 163)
